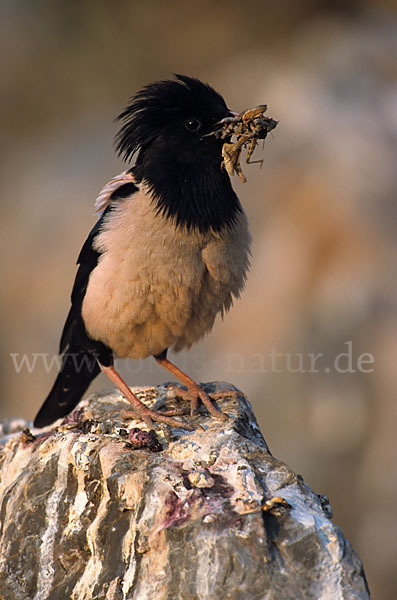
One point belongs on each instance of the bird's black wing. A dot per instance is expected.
(80, 352)
(74, 330)
(87, 261)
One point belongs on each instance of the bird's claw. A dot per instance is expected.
(194, 394)
(150, 417)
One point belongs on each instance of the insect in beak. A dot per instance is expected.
(245, 128)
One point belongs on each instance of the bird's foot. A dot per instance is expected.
(149, 417)
(194, 393)
(139, 409)
(226, 394)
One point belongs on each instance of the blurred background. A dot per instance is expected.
(322, 211)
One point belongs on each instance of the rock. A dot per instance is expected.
(87, 514)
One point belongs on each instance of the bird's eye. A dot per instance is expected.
(192, 124)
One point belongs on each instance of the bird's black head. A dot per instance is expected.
(180, 111)
(167, 124)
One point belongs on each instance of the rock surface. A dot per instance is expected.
(91, 511)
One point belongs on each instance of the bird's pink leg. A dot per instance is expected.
(194, 392)
(142, 412)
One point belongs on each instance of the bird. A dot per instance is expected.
(169, 252)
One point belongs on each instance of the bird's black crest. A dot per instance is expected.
(158, 104)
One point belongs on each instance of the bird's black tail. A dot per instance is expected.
(77, 371)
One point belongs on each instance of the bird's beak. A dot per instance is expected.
(233, 116)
